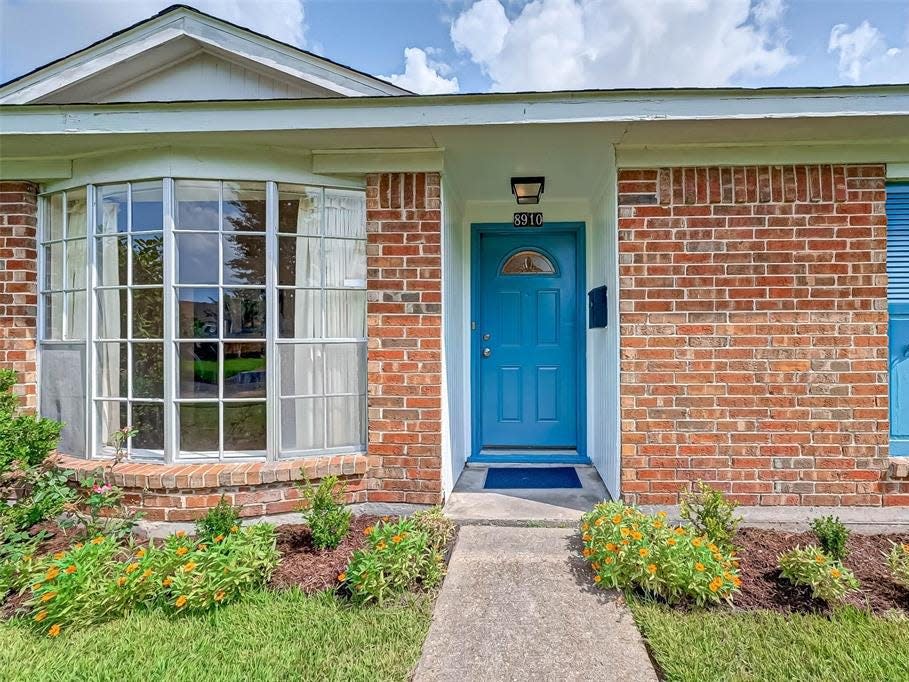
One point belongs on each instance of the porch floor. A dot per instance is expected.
(470, 503)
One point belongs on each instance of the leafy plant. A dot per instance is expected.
(711, 514)
(119, 439)
(898, 559)
(24, 439)
(324, 510)
(832, 535)
(437, 526)
(43, 493)
(218, 522)
(97, 509)
(828, 578)
(629, 549)
(399, 556)
(16, 551)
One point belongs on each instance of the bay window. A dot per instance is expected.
(227, 320)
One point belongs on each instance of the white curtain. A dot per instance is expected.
(109, 316)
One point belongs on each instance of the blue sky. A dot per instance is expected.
(482, 45)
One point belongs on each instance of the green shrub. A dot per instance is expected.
(399, 557)
(828, 578)
(832, 535)
(711, 514)
(24, 439)
(45, 495)
(324, 510)
(16, 551)
(898, 559)
(97, 580)
(437, 526)
(629, 549)
(218, 522)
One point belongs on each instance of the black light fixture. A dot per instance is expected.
(527, 190)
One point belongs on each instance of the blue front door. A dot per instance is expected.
(527, 340)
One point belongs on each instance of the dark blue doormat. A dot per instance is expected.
(531, 477)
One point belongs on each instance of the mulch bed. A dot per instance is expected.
(763, 588)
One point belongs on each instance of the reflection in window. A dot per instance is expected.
(528, 262)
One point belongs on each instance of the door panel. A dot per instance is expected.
(528, 337)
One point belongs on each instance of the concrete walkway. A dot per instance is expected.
(518, 604)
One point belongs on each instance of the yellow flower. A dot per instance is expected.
(52, 573)
(670, 541)
(696, 542)
(679, 530)
(54, 630)
(219, 595)
(819, 558)
(713, 548)
(37, 586)
(624, 532)
(181, 551)
(234, 529)
(78, 545)
(121, 581)
(71, 569)
(617, 519)
(140, 553)
(41, 615)
(189, 566)
(396, 539)
(596, 578)
(48, 596)
(59, 555)
(26, 558)
(651, 568)
(835, 573)
(598, 522)
(381, 545)
(167, 582)
(585, 526)
(147, 573)
(181, 602)
(699, 567)
(661, 514)
(132, 568)
(657, 524)
(643, 551)
(636, 535)
(180, 533)
(98, 540)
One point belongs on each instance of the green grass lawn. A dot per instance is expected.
(766, 647)
(267, 636)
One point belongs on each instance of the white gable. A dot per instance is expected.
(182, 54)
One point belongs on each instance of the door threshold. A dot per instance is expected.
(525, 458)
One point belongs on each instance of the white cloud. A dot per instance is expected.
(567, 44)
(35, 32)
(423, 75)
(865, 57)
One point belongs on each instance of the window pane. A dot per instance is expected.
(345, 421)
(244, 259)
(53, 266)
(198, 261)
(148, 313)
(345, 263)
(244, 370)
(112, 416)
(302, 424)
(300, 313)
(244, 427)
(345, 314)
(111, 209)
(345, 368)
(148, 206)
(148, 420)
(148, 260)
(75, 315)
(198, 427)
(53, 316)
(113, 369)
(54, 227)
(75, 213)
(110, 261)
(301, 369)
(345, 213)
(148, 370)
(75, 264)
(299, 261)
(197, 311)
(244, 313)
(112, 314)
(244, 206)
(197, 204)
(299, 209)
(198, 370)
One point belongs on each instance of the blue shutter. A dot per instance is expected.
(898, 305)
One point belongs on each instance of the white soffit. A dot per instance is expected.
(182, 54)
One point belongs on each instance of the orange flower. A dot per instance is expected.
(596, 578)
(140, 553)
(367, 530)
(121, 581)
(201, 547)
(181, 551)
(132, 568)
(181, 602)
(598, 522)
(715, 584)
(48, 596)
(396, 539)
(636, 535)
(609, 561)
(218, 538)
(586, 537)
(651, 568)
(595, 566)
(835, 573)
(670, 541)
(189, 566)
(167, 582)
(98, 540)
(234, 529)
(41, 615)
(59, 555)
(624, 532)
(180, 533)
(611, 546)
(54, 630)
(71, 569)
(37, 586)
(643, 551)
(679, 530)
(219, 595)
(736, 581)
(52, 573)
(617, 519)
(78, 545)
(147, 573)
(696, 542)
(657, 524)
(342, 577)
(586, 552)
(699, 567)
(819, 558)
(381, 545)
(585, 526)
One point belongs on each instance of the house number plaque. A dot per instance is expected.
(528, 219)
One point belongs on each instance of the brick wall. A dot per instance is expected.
(19, 285)
(754, 334)
(404, 320)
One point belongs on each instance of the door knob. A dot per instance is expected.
(486, 352)
(486, 337)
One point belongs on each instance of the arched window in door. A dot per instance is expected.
(528, 262)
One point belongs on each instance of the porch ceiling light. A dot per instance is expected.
(527, 190)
